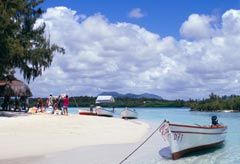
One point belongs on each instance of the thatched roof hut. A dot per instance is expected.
(14, 88)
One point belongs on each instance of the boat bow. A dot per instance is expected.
(188, 138)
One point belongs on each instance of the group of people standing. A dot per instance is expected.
(58, 105)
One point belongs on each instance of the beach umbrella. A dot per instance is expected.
(14, 88)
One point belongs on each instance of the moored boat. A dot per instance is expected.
(87, 112)
(129, 114)
(103, 99)
(188, 138)
(103, 112)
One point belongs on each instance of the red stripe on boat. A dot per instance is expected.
(201, 127)
(197, 132)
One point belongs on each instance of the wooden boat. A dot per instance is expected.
(188, 138)
(103, 112)
(87, 112)
(128, 114)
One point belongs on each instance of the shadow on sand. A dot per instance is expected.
(12, 114)
(166, 152)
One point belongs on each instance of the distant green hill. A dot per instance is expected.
(85, 101)
(131, 95)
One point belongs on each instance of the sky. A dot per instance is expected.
(177, 50)
(163, 17)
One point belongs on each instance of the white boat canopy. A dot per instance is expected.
(104, 99)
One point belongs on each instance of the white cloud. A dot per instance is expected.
(231, 22)
(198, 27)
(104, 56)
(136, 13)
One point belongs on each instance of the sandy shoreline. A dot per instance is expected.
(97, 154)
(39, 135)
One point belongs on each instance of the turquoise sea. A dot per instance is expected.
(149, 153)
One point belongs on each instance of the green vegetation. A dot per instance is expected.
(23, 45)
(85, 101)
(215, 103)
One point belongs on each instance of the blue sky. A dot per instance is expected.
(162, 16)
(177, 49)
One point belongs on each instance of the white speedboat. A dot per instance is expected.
(129, 114)
(103, 112)
(188, 138)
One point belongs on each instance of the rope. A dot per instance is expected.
(75, 102)
(142, 143)
(68, 90)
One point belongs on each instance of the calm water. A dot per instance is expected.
(149, 153)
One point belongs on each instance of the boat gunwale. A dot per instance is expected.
(105, 110)
(198, 132)
(200, 127)
(129, 110)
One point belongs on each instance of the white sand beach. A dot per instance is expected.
(39, 135)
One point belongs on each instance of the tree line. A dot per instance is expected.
(86, 101)
(215, 103)
(212, 103)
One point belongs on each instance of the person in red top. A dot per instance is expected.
(65, 105)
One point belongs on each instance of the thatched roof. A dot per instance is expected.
(14, 88)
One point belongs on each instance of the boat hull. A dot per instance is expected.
(87, 113)
(104, 112)
(181, 153)
(128, 114)
(186, 138)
